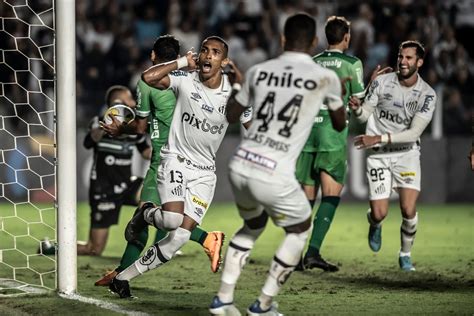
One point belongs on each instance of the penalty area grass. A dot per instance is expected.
(367, 283)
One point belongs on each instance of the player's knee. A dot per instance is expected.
(171, 220)
(378, 214)
(408, 210)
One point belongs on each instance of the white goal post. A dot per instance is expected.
(66, 140)
(37, 147)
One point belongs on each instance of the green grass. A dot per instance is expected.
(367, 283)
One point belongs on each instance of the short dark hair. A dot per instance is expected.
(299, 31)
(420, 49)
(336, 28)
(112, 92)
(166, 48)
(219, 39)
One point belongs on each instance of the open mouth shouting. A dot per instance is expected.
(206, 67)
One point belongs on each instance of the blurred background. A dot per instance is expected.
(114, 39)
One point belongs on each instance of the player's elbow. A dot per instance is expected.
(338, 119)
(339, 126)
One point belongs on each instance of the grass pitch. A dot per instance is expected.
(368, 283)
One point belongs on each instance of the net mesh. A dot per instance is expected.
(27, 145)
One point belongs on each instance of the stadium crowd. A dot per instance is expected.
(114, 36)
(113, 39)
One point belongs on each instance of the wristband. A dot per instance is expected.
(182, 62)
(236, 86)
(385, 139)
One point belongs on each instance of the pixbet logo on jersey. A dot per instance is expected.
(202, 125)
(395, 118)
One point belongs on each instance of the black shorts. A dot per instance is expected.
(105, 210)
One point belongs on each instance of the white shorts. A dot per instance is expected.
(179, 180)
(387, 173)
(285, 202)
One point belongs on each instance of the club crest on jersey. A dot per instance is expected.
(222, 109)
(207, 108)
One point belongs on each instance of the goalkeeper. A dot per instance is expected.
(159, 104)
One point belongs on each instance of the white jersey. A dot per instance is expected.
(395, 106)
(199, 119)
(286, 94)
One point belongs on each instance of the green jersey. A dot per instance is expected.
(323, 137)
(159, 106)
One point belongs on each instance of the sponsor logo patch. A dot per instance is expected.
(199, 202)
(149, 256)
(408, 174)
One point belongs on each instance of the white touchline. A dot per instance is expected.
(103, 304)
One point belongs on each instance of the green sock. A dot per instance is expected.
(198, 235)
(322, 221)
(160, 234)
(133, 251)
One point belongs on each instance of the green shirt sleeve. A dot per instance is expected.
(143, 99)
(357, 81)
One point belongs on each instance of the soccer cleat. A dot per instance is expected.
(405, 263)
(137, 224)
(300, 266)
(375, 237)
(106, 279)
(316, 261)
(213, 247)
(219, 308)
(256, 310)
(120, 287)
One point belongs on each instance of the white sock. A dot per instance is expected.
(235, 259)
(408, 233)
(283, 264)
(157, 255)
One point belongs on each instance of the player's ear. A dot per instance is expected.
(314, 43)
(153, 56)
(282, 40)
(419, 62)
(225, 62)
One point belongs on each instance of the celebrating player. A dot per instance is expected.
(397, 109)
(160, 105)
(186, 175)
(286, 93)
(324, 157)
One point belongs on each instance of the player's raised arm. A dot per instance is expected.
(157, 75)
(234, 107)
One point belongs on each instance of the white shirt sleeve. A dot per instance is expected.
(418, 125)
(176, 77)
(370, 101)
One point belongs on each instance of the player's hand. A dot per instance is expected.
(235, 76)
(192, 58)
(366, 141)
(113, 129)
(354, 103)
(380, 71)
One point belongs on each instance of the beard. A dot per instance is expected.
(407, 73)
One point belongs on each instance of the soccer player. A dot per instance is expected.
(323, 161)
(397, 109)
(286, 94)
(159, 104)
(186, 175)
(111, 182)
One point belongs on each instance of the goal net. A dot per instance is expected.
(27, 145)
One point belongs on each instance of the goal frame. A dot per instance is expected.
(65, 123)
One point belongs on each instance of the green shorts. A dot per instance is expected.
(310, 164)
(150, 187)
